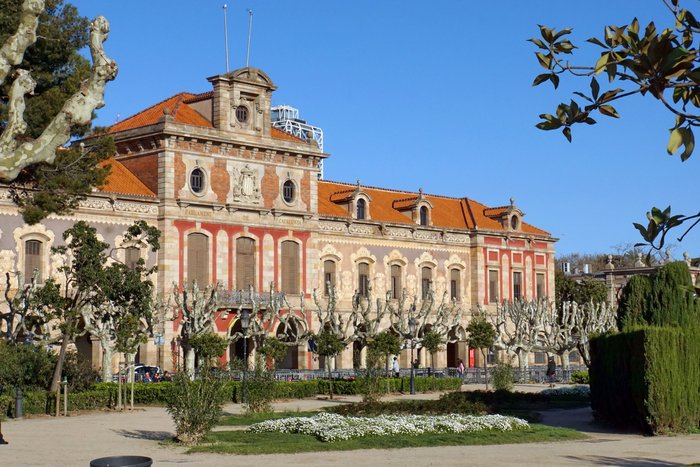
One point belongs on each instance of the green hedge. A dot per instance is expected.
(647, 377)
(104, 395)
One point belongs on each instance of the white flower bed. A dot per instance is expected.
(568, 390)
(332, 427)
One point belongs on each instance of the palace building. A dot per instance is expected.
(241, 202)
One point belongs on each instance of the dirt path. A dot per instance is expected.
(74, 441)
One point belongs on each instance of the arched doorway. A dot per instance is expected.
(289, 332)
(236, 356)
(456, 347)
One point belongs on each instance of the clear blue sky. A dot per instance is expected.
(431, 94)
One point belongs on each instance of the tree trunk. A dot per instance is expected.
(564, 361)
(130, 357)
(106, 360)
(523, 365)
(330, 376)
(58, 370)
(189, 361)
(486, 372)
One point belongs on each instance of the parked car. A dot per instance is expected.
(140, 371)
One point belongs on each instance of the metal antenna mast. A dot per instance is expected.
(226, 35)
(250, 29)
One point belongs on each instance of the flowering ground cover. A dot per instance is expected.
(330, 427)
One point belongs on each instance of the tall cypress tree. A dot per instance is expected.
(634, 302)
(673, 301)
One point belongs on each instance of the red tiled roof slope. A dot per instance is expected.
(175, 105)
(454, 213)
(279, 134)
(122, 181)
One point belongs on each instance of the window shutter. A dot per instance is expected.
(131, 257)
(363, 279)
(32, 259)
(198, 259)
(395, 281)
(290, 267)
(328, 274)
(454, 284)
(245, 263)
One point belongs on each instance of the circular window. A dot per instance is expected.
(288, 191)
(197, 180)
(514, 222)
(242, 114)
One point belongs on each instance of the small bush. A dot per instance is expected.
(580, 377)
(260, 390)
(195, 406)
(503, 377)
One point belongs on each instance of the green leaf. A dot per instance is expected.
(608, 110)
(595, 41)
(688, 142)
(595, 88)
(538, 43)
(567, 132)
(555, 80)
(544, 60)
(600, 64)
(539, 79)
(674, 141)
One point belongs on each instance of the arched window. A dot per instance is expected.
(245, 263)
(33, 254)
(198, 259)
(242, 113)
(290, 267)
(132, 255)
(363, 279)
(423, 215)
(426, 281)
(454, 285)
(197, 180)
(328, 275)
(361, 209)
(288, 191)
(395, 281)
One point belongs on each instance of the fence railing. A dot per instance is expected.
(470, 375)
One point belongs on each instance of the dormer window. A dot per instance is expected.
(242, 113)
(423, 215)
(515, 222)
(361, 209)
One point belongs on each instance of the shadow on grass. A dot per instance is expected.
(145, 434)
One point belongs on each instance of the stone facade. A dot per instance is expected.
(212, 169)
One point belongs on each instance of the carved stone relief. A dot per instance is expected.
(246, 185)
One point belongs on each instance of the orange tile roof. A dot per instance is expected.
(122, 181)
(175, 105)
(455, 213)
(279, 134)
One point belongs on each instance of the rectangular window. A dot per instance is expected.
(491, 356)
(574, 357)
(198, 259)
(541, 290)
(426, 281)
(540, 358)
(245, 263)
(454, 285)
(290, 267)
(32, 260)
(493, 286)
(328, 276)
(395, 282)
(517, 285)
(363, 279)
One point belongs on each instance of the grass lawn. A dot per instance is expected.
(241, 442)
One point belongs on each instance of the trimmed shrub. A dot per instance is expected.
(580, 377)
(648, 378)
(195, 406)
(503, 376)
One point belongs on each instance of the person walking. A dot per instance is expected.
(460, 367)
(551, 371)
(396, 367)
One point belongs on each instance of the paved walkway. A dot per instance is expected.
(74, 441)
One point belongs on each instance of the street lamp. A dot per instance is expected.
(245, 322)
(412, 329)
